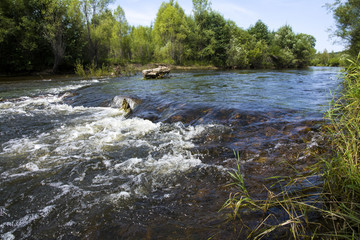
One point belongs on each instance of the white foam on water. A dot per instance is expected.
(132, 165)
(170, 163)
(107, 163)
(8, 236)
(92, 134)
(70, 223)
(107, 156)
(26, 220)
(31, 167)
(67, 189)
(45, 104)
(118, 101)
(116, 197)
(76, 85)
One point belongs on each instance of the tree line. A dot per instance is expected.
(57, 34)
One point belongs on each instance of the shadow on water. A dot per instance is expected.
(74, 166)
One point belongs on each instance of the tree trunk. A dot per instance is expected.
(58, 47)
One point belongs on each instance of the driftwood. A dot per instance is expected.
(159, 72)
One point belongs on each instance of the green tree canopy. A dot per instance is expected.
(42, 34)
(260, 31)
(169, 33)
(347, 16)
(142, 48)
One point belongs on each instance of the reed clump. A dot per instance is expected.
(328, 211)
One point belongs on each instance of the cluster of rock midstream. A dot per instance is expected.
(159, 72)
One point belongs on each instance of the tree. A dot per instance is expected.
(38, 34)
(170, 33)
(23, 47)
(260, 31)
(93, 9)
(7, 24)
(142, 48)
(347, 17)
(285, 37)
(201, 8)
(304, 49)
(259, 56)
(213, 34)
(282, 48)
(119, 43)
(246, 52)
(61, 24)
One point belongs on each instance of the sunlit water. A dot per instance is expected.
(74, 166)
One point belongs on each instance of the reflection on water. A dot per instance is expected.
(74, 166)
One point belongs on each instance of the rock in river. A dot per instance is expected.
(126, 107)
(159, 72)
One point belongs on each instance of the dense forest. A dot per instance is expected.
(42, 34)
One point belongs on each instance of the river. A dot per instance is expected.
(75, 166)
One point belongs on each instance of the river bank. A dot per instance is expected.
(114, 71)
(342, 173)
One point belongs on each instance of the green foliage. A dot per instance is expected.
(332, 59)
(35, 35)
(260, 31)
(200, 8)
(169, 33)
(290, 50)
(304, 49)
(342, 173)
(239, 50)
(79, 69)
(295, 205)
(259, 55)
(120, 39)
(347, 17)
(285, 37)
(92, 70)
(212, 34)
(238, 54)
(142, 48)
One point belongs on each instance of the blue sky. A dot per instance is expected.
(305, 16)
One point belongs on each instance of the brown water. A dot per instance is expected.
(73, 166)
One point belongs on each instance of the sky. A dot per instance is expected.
(304, 16)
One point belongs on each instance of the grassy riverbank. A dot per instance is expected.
(342, 173)
(91, 70)
(330, 210)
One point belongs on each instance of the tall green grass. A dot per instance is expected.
(335, 204)
(91, 70)
(342, 173)
(284, 214)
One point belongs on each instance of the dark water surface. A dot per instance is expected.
(73, 166)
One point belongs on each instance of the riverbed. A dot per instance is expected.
(73, 165)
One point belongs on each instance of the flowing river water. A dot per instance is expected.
(74, 166)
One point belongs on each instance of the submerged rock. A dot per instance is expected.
(126, 104)
(117, 102)
(126, 107)
(159, 72)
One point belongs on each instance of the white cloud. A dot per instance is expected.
(136, 17)
(231, 9)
